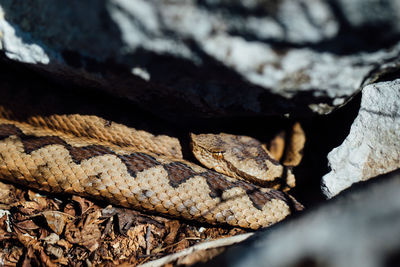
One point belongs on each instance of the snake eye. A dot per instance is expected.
(217, 155)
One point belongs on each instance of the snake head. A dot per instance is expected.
(242, 157)
(209, 149)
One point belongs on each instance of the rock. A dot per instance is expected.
(373, 144)
(208, 58)
(358, 229)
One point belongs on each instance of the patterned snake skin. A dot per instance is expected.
(88, 156)
(241, 157)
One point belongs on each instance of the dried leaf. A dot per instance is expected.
(181, 245)
(55, 251)
(84, 204)
(42, 233)
(70, 209)
(57, 220)
(5, 221)
(28, 241)
(26, 225)
(29, 207)
(65, 244)
(10, 257)
(51, 239)
(124, 247)
(30, 258)
(88, 236)
(46, 259)
(125, 220)
(93, 217)
(39, 199)
(109, 211)
(7, 193)
(172, 228)
(5, 235)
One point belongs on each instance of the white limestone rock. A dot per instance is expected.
(373, 144)
(219, 57)
(16, 48)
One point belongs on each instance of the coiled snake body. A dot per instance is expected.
(88, 156)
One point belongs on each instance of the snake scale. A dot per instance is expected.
(92, 157)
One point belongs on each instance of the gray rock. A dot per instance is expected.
(359, 229)
(210, 58)
(373, 144)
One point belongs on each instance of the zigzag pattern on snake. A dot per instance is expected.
(55, 161)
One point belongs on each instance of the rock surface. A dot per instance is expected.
(373, 144)
(209, 58)
(359, 229)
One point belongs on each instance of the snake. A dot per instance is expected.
(92, 157)
(242, 157)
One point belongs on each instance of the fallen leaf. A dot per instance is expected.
(30, 259)
(57, 220)
(5, 221)
(70, 209)
(12, 257)
(26, 225)
(27, 240)
(65, 244)
(109, 211)
(51, 239)
(28, 207)
(84, 204)
(125, 220)
(56, 251)
(39, 199)
(181, 245)
(46, 259)
(7, 193)
(4, 235)
(173, 228)
(88, 236)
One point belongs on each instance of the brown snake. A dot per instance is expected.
(88, 156)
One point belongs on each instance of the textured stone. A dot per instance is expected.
(358, 229)
(373, 144)
(208, 58)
